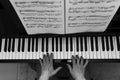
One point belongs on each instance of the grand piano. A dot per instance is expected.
(17, 47)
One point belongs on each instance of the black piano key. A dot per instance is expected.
(5, 48)
(118, 43)
(67, 44)
(81, 43)
(111, 43)
(47, 45)
(52, 43)
(92, 44)
(56, 43)
(103, 43)
(77, 43)
(36, 45)
(85, 38)
(96, 43)
(29, 42)
(33, 42)
(9, 45)
(19, 44)
(42, 44)
(60, 43)
(13, 45)
(71, 44)
(107, 43)
(0, 44)
(23, 45)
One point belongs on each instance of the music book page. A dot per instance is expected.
(89, 15)
(41, 16)
(65, 16)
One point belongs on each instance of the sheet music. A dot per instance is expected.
(89, 15)
(41, 16)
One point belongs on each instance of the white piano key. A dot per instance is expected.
(65, 53)
(114, 45)
(73, 46)
(35, 53)
(11, 53)
(55, 52)
(83, 44)
(2, 48)
(58, 52)
(25, 49)
(109, 52)
(20, 53)
(105, 52)
(63, 48)
(6, 55)
(31, 53)
(40, 48)
(16, 56)
(115, 55)
(95, 51)
(89, 54)
(69, 52)
(100, 56)
(44, 47)
(50, 45)
(80, 54)
(116, 51)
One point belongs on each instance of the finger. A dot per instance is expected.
(86, 63)
(47, 58)
(40, 60)
(70, 68)
(43, 59)
(58, 69)
(77, 59)
(81, 60)
(51, 58)
(73, 60)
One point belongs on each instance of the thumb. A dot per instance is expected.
(70, 69)
(58, 69)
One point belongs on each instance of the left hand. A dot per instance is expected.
(47, 69)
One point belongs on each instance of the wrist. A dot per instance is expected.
(43, 77)
(80, 78)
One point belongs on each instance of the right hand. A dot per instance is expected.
(78, 68)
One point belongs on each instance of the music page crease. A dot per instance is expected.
(89, 15)
(41, 16)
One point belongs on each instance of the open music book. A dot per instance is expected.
(65, 16)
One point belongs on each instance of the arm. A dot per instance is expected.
(47, 67)
(78, 68)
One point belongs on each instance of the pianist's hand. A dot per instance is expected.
(47, 69)
(78, 69)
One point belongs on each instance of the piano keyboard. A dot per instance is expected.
(95, 47)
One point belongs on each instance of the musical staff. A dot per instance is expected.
(91, 17)
(77, 2)
(30, 12)
(47, 4)
(43, 25)
(91, 9)
(41, 19)
(88, 24)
